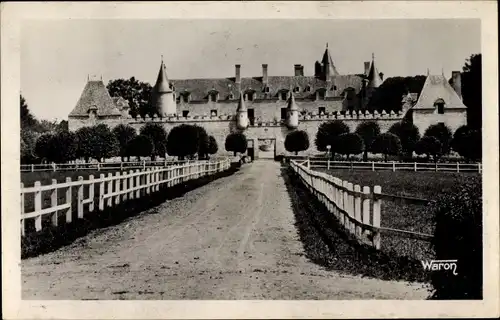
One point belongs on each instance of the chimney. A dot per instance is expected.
(237, 73)
(381, 74)
(367, 67)
(456, 78)
(299, 70)
(264, 74)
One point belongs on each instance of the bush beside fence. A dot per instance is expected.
(41, 201)
(357, 208)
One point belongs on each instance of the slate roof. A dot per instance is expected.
(200, 88)
(95, 94)
(292, 106)
(328, 62)
(437, 87)
(162, 85)
(241, 104)
(374, 80)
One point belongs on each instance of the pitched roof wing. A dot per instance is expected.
(95, 94)
(437, 87)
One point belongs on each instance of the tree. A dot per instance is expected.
(28, 142)
(472, 90)
(42, 146)
(96, 142)
(184, 141)
(62, 147)
(212, 145)
(388, 96)
(349, 143)
(236, 142)
(468, 143)
(137, 93)
(368, 131)
(430, 146)
(85, 139)
(387, 144)
(203, 142)
(124, 134)
(28, 120)
(408, 135)
(140, 146)
(297, 141)
(158, 135)
(327, 134)
(63, 125)
(441, 132)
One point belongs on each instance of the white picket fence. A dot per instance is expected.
(104, 166)
(395, 166)
(112, 189)
(357, 208)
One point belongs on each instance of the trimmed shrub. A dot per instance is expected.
(236, 142)
(408, 135)
(368, 131)
(185, 141)
(458, 236)
(349, 143)
(296, 141)
(140, 146)
(157, 133)
(430, 146)
(387, 144)
(468, 143)
(212, 145)
(124, 134)
(441, 132)
(327, 134)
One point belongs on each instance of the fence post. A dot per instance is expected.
(148, 181)
(479, 167)
(328, 163)
(38, 206)
(144, 164)
(415, 166)
(69, 213)
(79, 203)
(350, 206)
(393, 166)
(343, 219)
(54, 166)
(118, 181)
(125, 185)
(110, 189)
(91, 193)
(121, 166)
(352, 167)
(101, 192)
(131, 184)
(436, 166)
(373, 165)
(458, 167)
(376, 216)
(366, 206)
(32, 167)
(357, 209)
(53, 201)
(138, 184)
(98, 166)
(23, 229)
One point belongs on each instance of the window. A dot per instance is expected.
(251, 115)
(266, 89)
(213, 113)
(185, 113)
(296, 89)
(439, 104)
(321, 94)
(249, 96)
(231, 96)
(307, 89)
(321, 111)
(213, 96)
(333, 88)
(283, 113)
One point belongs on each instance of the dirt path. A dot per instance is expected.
(233, 238)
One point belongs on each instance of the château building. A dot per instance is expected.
(266, 107)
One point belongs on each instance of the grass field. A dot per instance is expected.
(426, 185)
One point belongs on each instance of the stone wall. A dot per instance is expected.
(452, 118)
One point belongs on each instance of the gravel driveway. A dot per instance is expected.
(233, 238)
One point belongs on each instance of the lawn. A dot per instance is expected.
(426, 185)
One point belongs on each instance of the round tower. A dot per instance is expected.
(241, 114)
(292, 116)
(163, 98)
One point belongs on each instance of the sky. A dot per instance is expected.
(58, 56)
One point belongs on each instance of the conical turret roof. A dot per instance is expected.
(328, 62)
(241, 104)
(374, 80)
(162, 80)
(292, 106)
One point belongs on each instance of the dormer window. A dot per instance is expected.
(283, 94)
(213, 96)
(266, 89)
(296, 89)
(321, 94)
(333, 88)
(230, 96)
(249, 96)
(186, 97)
(307, 89)
(439, 104)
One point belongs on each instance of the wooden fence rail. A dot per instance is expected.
(106, 191)
(357, 208)
(393, 166)
(104, 166)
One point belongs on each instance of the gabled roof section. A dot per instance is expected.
(95, 94)
(374, 80)
(291, 103)
(241, 104)
(437, 87)
(328, 62)
(162, 85)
